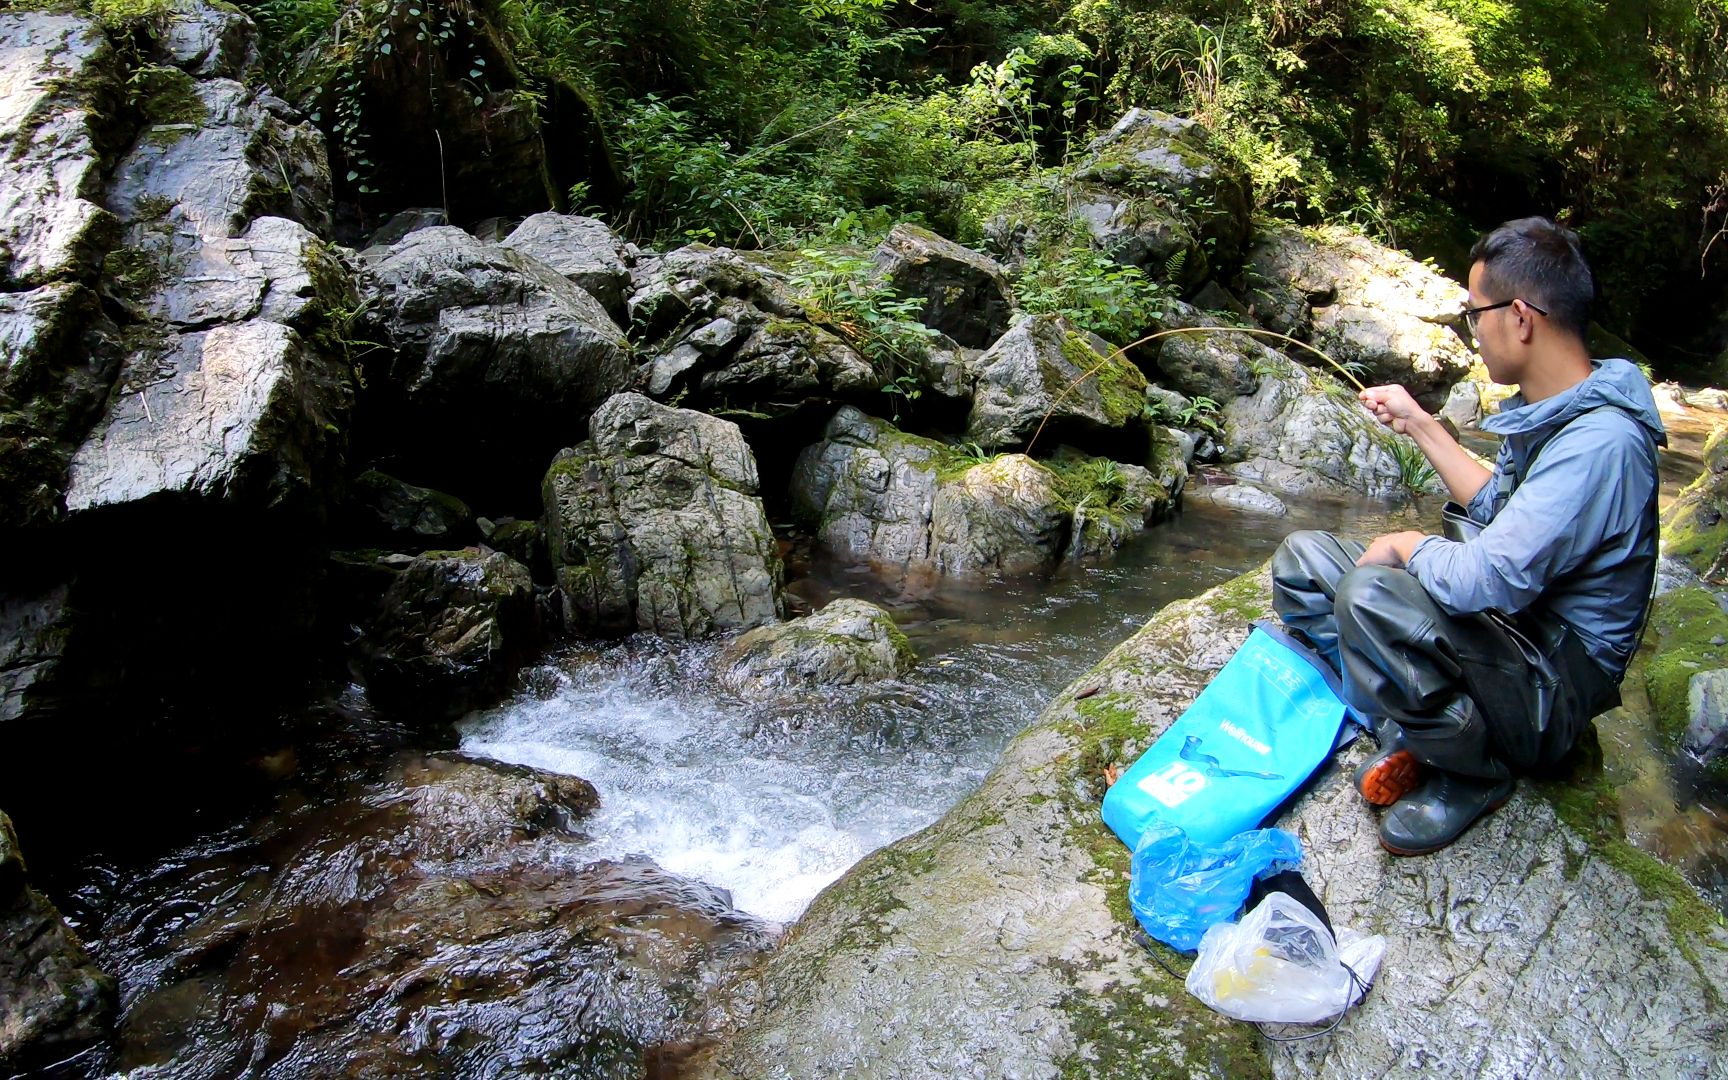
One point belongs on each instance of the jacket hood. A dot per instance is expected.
(1612, 382)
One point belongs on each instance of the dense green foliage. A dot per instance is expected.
(1421, 121)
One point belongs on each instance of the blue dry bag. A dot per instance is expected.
(1269, 718)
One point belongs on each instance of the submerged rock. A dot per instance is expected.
(847, 642)
(655, 524)
(998, 942)
(1156, 194)
(1362, 304)
(966, 294)
(1046, 372)
(438, 921)
(450, 632)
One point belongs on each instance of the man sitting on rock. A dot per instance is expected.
(1483, 656)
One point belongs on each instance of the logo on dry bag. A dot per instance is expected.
(1172, 785)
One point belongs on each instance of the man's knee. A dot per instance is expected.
(1382, 595)
(1299, 554)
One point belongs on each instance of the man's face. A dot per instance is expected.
(1501, 351)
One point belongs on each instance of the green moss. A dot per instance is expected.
(1588, 804)
(1117, 1030)
(167, 96)
(1245, 597)
(1685, 625)
(126, 14)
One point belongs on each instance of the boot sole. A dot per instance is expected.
(1390, 779)
(1489, 809)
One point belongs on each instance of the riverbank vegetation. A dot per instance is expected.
(822, 122)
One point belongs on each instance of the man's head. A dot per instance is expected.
(1530, 296)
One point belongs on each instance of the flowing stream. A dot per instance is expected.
(775, 799)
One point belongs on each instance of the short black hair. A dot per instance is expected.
(1535, 260)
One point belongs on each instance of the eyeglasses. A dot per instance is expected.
(1472, 314)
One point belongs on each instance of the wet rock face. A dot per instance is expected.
(1362, 304)
(966, 294)
(451, 631)
(655, 524)
(1298, 434)
(240, 412)
(53, 1000)
(847, 642)
(1014, 904)
(1046, 371)
(438, 920)
(58, 82)
(489, 343)
(1155, 194)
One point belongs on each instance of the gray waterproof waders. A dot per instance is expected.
(1480, 695)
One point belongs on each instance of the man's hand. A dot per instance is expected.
(1393, 549)
(1394, 407)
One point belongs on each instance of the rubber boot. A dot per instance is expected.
(1439, 811)
(1393, 772)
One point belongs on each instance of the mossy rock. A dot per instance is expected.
(997, 942)
(1695, 527)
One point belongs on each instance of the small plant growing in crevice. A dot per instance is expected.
(844, 293)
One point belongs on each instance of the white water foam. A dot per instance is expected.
(699, 785)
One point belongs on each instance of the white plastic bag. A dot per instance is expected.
(1281, 965)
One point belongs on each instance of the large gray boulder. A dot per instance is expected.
(966, 294)
(1156, 193)
(61, 83)
(655, 524)
(582, 249)
(244, 413)
(998, 942)
(910, 506)
(58, 356)
(490, 342)
(1048, 373)
(1303, 432)
(847, 642)
(686, 288)
(1362, 304)
(53, 999)
(450, 632)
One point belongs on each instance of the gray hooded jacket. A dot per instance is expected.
(1573, 534)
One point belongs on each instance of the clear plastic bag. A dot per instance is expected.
(1281, 965)
(1179, 889)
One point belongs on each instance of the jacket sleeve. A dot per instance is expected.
(1582, 490)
